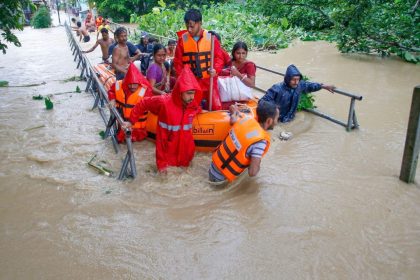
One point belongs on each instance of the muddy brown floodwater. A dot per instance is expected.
(326, 205)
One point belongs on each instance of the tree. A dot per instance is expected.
(11, 17)
(382, 27)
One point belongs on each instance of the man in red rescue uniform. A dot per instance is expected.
(175, 112)
(194, 49)
(126, 93)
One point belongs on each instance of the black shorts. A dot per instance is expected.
(86, 38)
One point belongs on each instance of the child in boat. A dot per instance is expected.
(246, 144)
(170, 50)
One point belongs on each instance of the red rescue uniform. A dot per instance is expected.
(174, 140)
(126, 100)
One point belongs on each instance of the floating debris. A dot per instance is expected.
(78, 89)
(37, 97)
(102, 134)
(28, 85)
(284, 135)
(101, 169)
(4, 83)
(48, 103)
(35, 127)
(72, 79)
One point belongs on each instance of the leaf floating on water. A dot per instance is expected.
(102, 134)
(4, 83)
(102, 170)
(48, 103)
(72, 79)
(37, 97)
(78, 89)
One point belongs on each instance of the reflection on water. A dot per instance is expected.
(327, 204)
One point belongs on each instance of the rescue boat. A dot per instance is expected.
(209, 128)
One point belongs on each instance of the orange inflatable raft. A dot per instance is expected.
(209, 127)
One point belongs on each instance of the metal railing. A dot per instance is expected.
(351, 123)
(109, 114)
(351, 120)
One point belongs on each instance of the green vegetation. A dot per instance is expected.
(259, 32)
(4, 83)
(72, 79)
(11, 17)
(121, 10)
(78, 89)
(42, 18)
(306, 102)
(362, 26)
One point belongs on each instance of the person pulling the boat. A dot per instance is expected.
(194, 50)
(175, 112)
(105, 42)
(245, 145)
(286, 94)
(125, 95)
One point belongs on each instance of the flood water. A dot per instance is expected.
(327, 204)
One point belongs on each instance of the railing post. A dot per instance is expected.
(350, 124)
(412, 140)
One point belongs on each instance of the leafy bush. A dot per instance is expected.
(12, 17)
(42, 18)
(306, 101)
(230, 20)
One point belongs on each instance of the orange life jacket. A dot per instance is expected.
(230, 157)
(197, 54)
(126, 104)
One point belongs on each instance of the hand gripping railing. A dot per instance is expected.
(351, 120)
(95, 87)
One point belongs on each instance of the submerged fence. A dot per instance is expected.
(109, 114)
(351, 122)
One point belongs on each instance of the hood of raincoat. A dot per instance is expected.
(186, 81)
(134, 76)
(291, 72)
